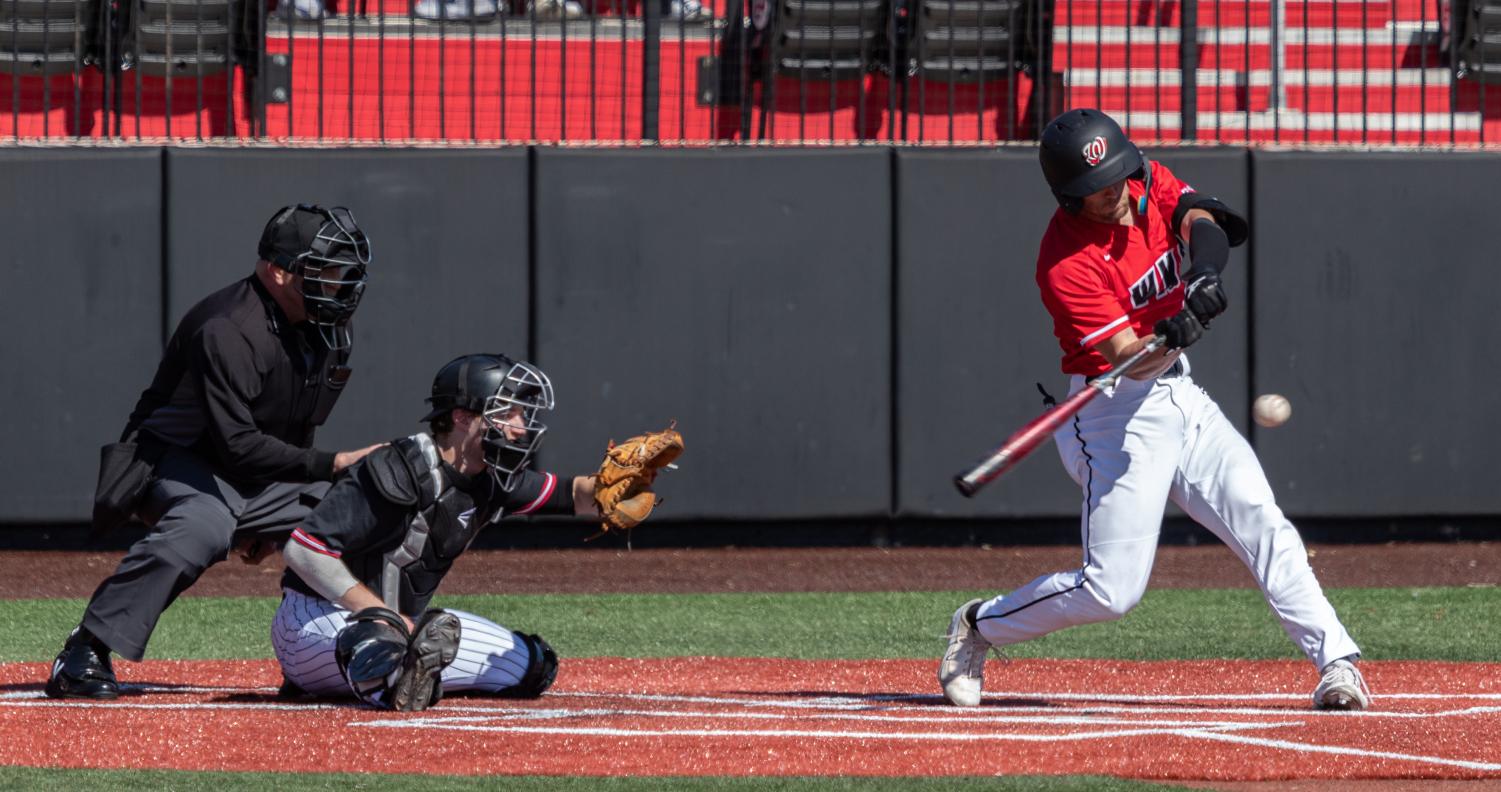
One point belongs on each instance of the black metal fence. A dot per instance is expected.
(1404, 72)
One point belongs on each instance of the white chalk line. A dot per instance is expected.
(807, 709)
(599, 731)
(1334, 749)
(1221, 731)
(892, 703)
(882, 703)
(1034, 718)
(1122, 697)
(95, 706)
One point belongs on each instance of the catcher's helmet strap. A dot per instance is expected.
(461, 395)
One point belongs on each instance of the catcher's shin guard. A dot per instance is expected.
(541, 668)
(370, 650)
(435, 643)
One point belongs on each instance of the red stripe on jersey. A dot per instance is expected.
(547, 488)
(313, 544)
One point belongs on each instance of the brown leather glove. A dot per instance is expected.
(622, 488)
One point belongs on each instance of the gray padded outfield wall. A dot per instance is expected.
(756, 296)
(448, 236)
(81, 317)
(974, 338)
(1376, 281)
(746, 294)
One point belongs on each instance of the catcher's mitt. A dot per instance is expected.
(622, 489)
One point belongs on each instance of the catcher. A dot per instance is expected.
(361, 570)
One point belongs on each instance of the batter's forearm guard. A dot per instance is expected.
(1208, 248)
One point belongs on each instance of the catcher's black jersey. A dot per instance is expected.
(401, 551)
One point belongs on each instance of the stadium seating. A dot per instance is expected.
(181, 37)
(909, 70)
(1477, 39)
(45, 37)
(973, 40)
(820, 39)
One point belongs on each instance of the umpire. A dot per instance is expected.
(228, 420)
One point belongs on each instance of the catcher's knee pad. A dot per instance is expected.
(435, 643)
(541, 669)
(370, 651)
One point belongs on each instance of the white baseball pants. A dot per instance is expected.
(490, 658)
(1130, 450)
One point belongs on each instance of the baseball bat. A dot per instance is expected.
(1029, 437)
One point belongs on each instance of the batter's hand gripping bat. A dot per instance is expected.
(1029, 437)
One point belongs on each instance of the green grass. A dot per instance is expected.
(1411, 624)
(1425, 623)
(108, 780)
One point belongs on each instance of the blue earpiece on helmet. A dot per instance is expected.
(1146, 189)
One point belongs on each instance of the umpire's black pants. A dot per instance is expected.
(196, 517)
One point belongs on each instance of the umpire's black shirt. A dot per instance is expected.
(245, 388)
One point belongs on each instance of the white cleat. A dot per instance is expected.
(1341, 688)
(962, 670)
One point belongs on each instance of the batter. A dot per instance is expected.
(1112, 274)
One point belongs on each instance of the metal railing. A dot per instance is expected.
(1406, 72)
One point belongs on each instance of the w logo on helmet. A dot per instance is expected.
(1095, 151)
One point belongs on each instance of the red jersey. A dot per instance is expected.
(1099, 279)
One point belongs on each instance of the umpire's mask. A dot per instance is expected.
(328, 249)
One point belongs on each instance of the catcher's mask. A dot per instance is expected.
(505, 393)
(327, 248)
(1084, 151)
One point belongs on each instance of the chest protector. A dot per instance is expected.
(442, 521)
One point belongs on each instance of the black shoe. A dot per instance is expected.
(83, 671)
(291, 690)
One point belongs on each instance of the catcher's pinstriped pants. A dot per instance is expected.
(195, 517)
(490, 659)
(1130, 450)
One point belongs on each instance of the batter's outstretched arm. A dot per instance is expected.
(1124, 344)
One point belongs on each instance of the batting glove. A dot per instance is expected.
(1181, 331)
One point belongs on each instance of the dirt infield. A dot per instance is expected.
(593, 571)
(1213, 720)
(1244, 727)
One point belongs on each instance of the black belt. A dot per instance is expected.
(1175, 370)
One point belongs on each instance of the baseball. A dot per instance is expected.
(1271, 410)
